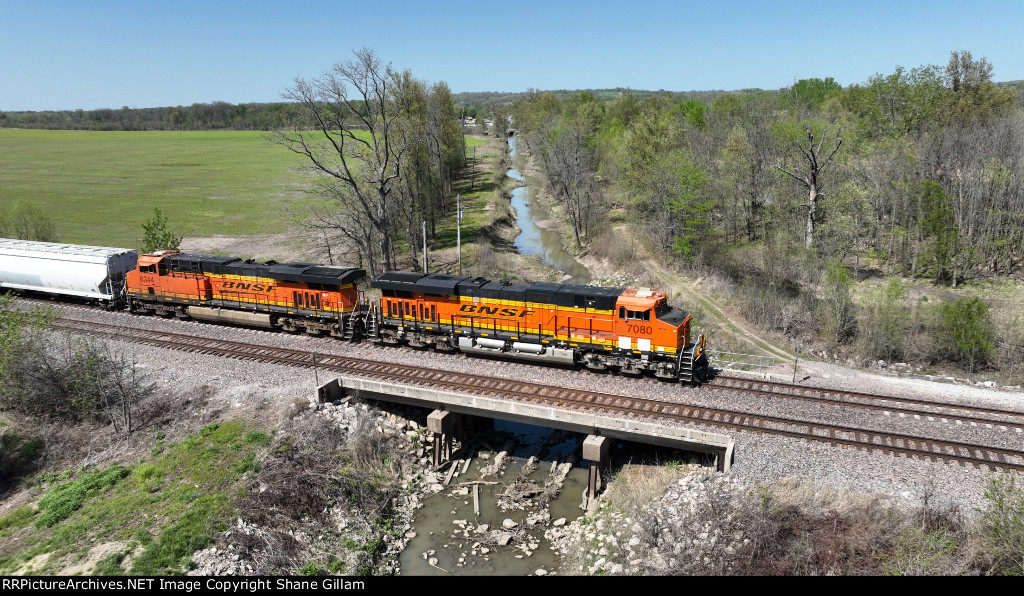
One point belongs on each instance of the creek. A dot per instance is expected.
(452, 539)
(535, 240)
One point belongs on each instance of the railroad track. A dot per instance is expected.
(1006, 419)
(926, 448)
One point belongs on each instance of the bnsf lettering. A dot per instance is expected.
(237, 285)
(494, 310)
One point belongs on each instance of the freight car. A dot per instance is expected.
(630, 330)
(91, 273)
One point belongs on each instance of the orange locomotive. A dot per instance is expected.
(290, 296)
(632, 330)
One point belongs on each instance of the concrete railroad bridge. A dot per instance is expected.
(449, 407)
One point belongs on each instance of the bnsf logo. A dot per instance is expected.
(237, 285)
(494, 310)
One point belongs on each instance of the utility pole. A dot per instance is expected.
(458, 227)
(472, 181)
(424, 247)
(796, 360)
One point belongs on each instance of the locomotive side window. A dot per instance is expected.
(147, 269)
(635, 315)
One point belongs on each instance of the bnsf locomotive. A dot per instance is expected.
(629, 330)
(632, 330)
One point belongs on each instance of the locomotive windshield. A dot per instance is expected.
(672, 316)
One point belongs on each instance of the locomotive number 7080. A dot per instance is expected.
(640, 329)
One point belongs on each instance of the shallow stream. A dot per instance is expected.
(451, 539)
(535, 240)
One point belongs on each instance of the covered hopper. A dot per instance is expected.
(95, 272)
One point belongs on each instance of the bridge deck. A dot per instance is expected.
(640, 431)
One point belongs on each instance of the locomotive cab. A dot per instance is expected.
(654, 336)
(646, 323)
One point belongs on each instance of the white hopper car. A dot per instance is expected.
(88, 272)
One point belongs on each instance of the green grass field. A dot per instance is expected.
(99, 187)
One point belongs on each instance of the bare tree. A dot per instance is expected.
(816, 158)
(124, 386)
(347, 133)
(571, 167)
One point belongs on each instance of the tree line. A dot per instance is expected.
(217, 115)
(221, 115)
(916, 173)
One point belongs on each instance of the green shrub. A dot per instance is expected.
(1002, 524)
(63, 500)
(258, 438)
(922, 553)
(18, 518)
(835, 308)
(884, 321)
(962, 332)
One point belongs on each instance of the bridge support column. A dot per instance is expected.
(596, 449)
(329, 391)
(724, 457)
(442, 425)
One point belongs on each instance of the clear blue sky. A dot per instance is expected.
(92, 54)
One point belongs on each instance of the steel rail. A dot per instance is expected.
(574, 399)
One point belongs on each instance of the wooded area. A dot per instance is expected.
(915, 175)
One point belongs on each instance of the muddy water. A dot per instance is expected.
(534, 240)
(453, 540)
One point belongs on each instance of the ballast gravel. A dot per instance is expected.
(758, 460)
